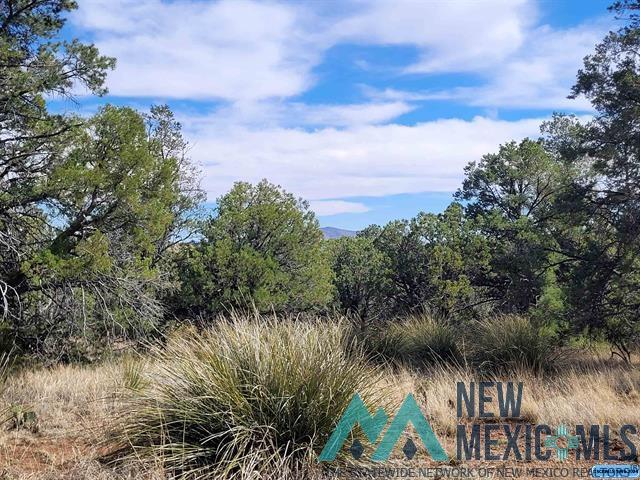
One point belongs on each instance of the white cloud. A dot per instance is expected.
(232, 49)
(450, 36)
(294, 114)
(254, 58)
(392, 94)
(352, 114)
(539, 75)
(334, 207)
(371, 160)
(257, 55)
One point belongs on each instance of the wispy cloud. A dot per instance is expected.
(246, 51)
(372, 160)
(295, 114)
(326, 208)
(450, 36)
(539, 75)
(233, 50)
(248, 65)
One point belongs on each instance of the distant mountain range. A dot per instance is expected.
(332, 232)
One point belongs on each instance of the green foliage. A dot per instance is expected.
(115, 200)
(600, 227)
(88, 207)
(514, 183)
(510, 198)
(32, 66)
(263, 249)
(257, 397)
(6, 338)
(418, 340)
(361, 276)
(430, 263)
(510, 343)
(95, 213)
(551, 305)
(610, 79)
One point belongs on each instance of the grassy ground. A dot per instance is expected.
(74, 404)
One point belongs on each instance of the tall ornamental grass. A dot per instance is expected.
(511, 343)
(419, 340)
(251, 398)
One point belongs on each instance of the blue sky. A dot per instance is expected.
(368, 109)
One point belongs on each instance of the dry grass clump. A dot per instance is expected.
(5, 365)
(419, 340)
(249, 399)
(512, 343)
(498, 344)
(435, 392)
(587, 397)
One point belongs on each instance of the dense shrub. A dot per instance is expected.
(262, 248)
(361, 277)
(512, 342)
(249, 398)
(418, 340)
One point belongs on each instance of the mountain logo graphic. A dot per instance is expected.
(373, 425)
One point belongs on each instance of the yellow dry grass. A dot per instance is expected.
(73, 404)
(610, 395)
